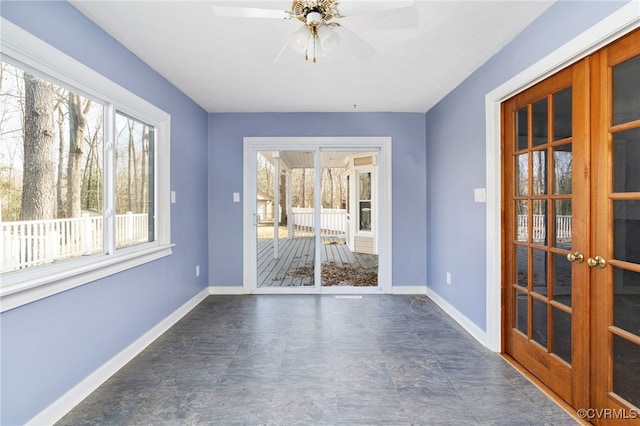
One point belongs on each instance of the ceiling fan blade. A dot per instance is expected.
(356, 7)
(384, 20)
(282, 51)
(354, 44)
(250, 12)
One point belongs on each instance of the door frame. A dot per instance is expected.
(381, 144)
(619, 23)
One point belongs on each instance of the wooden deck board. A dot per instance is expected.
(298, 253)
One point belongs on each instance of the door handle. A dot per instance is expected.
(598, 262)
(575, 257)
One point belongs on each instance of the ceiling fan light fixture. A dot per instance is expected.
(314, 49)
(299, 39)
(314, 18)
(329, 39)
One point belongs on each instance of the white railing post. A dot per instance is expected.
(52, 245)
(129, 227)
(294, 221)
(85, 233)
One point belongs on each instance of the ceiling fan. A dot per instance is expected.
(323, 25)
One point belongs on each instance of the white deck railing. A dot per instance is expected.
(37, 242)
(563, 227)
(333, 222)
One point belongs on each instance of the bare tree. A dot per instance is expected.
(92, 175)
(330, 175)
(283, 199)
(78, 109)
(132, 168)
(142, 205)
(303, 196)
(62, 143)
(38, 180)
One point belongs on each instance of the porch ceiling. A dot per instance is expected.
(304, 159)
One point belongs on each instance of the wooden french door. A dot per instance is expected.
(546, 204)
(615, 301)
(571, 234)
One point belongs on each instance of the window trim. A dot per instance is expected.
(22, 287)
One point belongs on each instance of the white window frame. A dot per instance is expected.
(360, 170)
(22, 287)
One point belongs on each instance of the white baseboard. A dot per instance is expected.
(226, 290)
(402, 289)
(476, 332)
(75, 395)
(409, 289)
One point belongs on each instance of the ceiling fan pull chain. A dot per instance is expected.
(314, 49)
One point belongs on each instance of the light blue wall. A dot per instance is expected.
(50, 345)
(407, 131)
(456, 155)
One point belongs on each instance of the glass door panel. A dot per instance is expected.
(285, 219)
(348, 252)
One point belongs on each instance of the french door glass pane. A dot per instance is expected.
(540, 122)
(522, 308)
(540, 222)
(522, 174)
(522, 220)
(626, 161)
(522, 140)
(540, 172)
(540, 272)
(522, 257)
(539, 315)
(561, 279)
(626, 369)
(626, 91)
(562, 111)
(626, 300)
(563, 162)
(626, 228)
(562, 334)
(563, 223)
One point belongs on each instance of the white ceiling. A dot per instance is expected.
(227, 64)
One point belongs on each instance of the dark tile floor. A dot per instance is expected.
(317, 360)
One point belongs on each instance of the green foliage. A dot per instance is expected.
(10, 196)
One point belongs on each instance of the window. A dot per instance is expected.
(364, 201)
(84, 167)
(134, 181)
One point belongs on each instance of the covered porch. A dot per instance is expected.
(294, 265)
(324, 192)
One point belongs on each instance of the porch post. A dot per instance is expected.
(289, 208)
(276, 202)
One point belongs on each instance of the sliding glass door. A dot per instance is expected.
(314, 219)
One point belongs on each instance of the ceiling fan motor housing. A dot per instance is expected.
(314, 12)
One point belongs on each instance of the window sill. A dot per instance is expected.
(28, 286)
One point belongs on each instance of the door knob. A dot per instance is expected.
(597, 262)
(575, 257)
